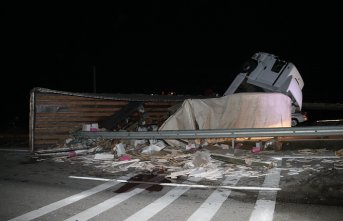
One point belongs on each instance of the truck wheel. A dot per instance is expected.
(249, 66)
(294, 122)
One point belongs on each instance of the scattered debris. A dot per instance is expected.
(246, 161)
(125, 158)
(126, 163)
(90, 127)
(120, 149)
(103, 156)
(201, 158)
(339, 153)
(197, 158)
(154, 147)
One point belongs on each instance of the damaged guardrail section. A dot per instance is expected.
(219, 133)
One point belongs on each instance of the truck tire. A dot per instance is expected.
(249, 66)
(294, 122)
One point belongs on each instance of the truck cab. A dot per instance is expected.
(267, 72)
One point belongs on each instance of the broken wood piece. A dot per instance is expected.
(236, 160)
(174, 175)
(119, 163)
(339, 153)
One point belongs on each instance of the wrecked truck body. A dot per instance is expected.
(54, 115)
(67, 126)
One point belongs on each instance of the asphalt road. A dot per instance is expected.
(44, 190)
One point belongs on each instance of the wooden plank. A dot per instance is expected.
(48, 97)
(73, 99)
(74, 114)
(47, 144)
(69, 119)
(81, 102)
(65, 130)
(159, 105)
(91, 109)
(58, 124)
(152, 109)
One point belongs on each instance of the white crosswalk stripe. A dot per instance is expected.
(212, 204)
(69, 200)
(159, 204)
(108, 204)
(265, 204)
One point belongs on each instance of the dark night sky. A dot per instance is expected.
(150, 47)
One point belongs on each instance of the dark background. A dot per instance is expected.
(153, 47)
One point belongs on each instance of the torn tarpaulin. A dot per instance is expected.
(241, 110)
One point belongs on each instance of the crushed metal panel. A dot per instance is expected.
(112, 121)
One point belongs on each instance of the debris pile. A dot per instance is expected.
(211, 162)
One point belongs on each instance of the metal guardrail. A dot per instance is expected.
(218, 133)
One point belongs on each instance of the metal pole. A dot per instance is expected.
(32, 120)
(94, 79)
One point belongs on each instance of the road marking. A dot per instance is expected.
(307, 157)
(185, 184)
(91, 178)
(212, 204)
(159, 204)
(265, 204)
(69, 200)
(108, 204)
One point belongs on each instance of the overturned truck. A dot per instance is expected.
(273, 94)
